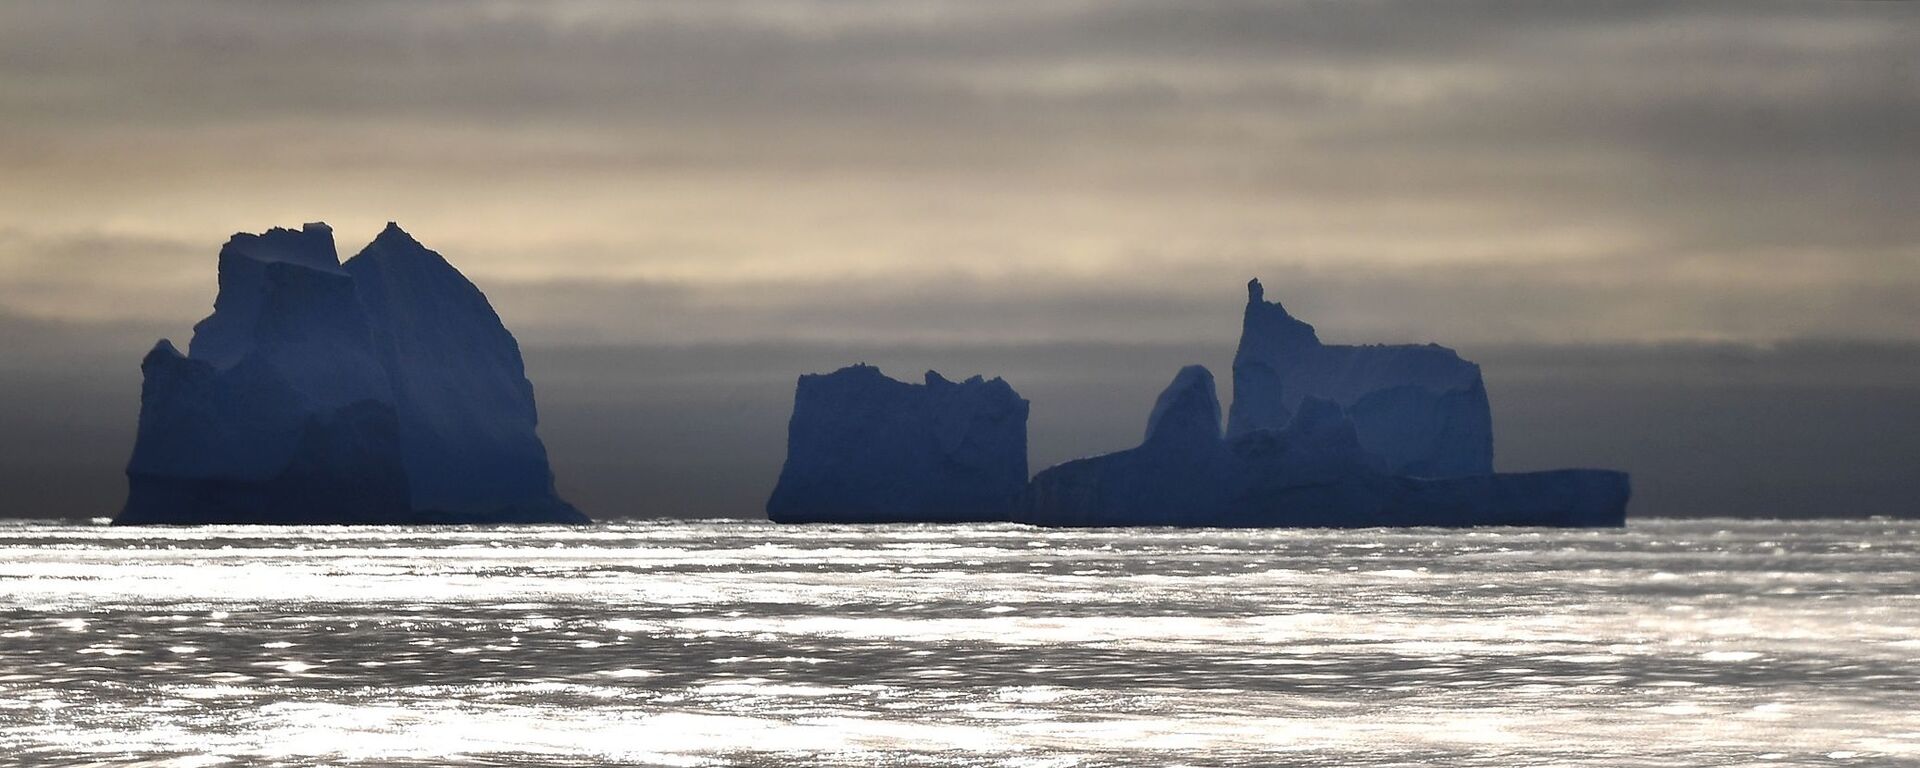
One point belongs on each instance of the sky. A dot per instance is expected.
(1686, 229)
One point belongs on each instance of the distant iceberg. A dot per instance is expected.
(1318, 435)
(864, 448)
(1420, 408)
(1315, 471)
(382, 391)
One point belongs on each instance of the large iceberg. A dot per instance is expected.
(1420, 408)
(384, 390)
(864, 448)
(1314, 471)
(466, 408)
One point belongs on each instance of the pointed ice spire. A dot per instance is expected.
(1187, 412)
(1271, 320)
(394, 235)
(1271, 343)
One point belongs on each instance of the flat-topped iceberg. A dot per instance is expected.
(864, 448)
(382, 391)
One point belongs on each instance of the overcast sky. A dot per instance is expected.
(974, 174)
(687, 171)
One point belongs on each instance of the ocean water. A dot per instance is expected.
(1671, 643)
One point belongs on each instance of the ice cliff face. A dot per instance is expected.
(1421, 408)
(384, 391)
(862, 447)
(1314, 471)
(460, 388)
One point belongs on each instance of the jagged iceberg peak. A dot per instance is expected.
(467, 414)
(310, 246)
(1271, 342)
(165, 348)
(1419, 407)
(395, 242)
(398, 240)
(396, 261)
(935, 380)
(1270, 322)
(396, 269)
(1187, 413)
(281, 272)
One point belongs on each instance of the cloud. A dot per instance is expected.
(693, 170)
(102, 277)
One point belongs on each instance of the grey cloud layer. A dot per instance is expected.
(694, 171)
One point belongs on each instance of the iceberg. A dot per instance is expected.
(1315, 471)
(381, 391)
(1318, 435)
(865, 448)
(1421, 408)
(467, 417)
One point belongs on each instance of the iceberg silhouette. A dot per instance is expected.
(1313, 472)
(382, 391)
(1421, 408)
(1318, 435)
(864, 448)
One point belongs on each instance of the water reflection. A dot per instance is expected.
(1672, 643)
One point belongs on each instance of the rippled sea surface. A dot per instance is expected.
(743, 643)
